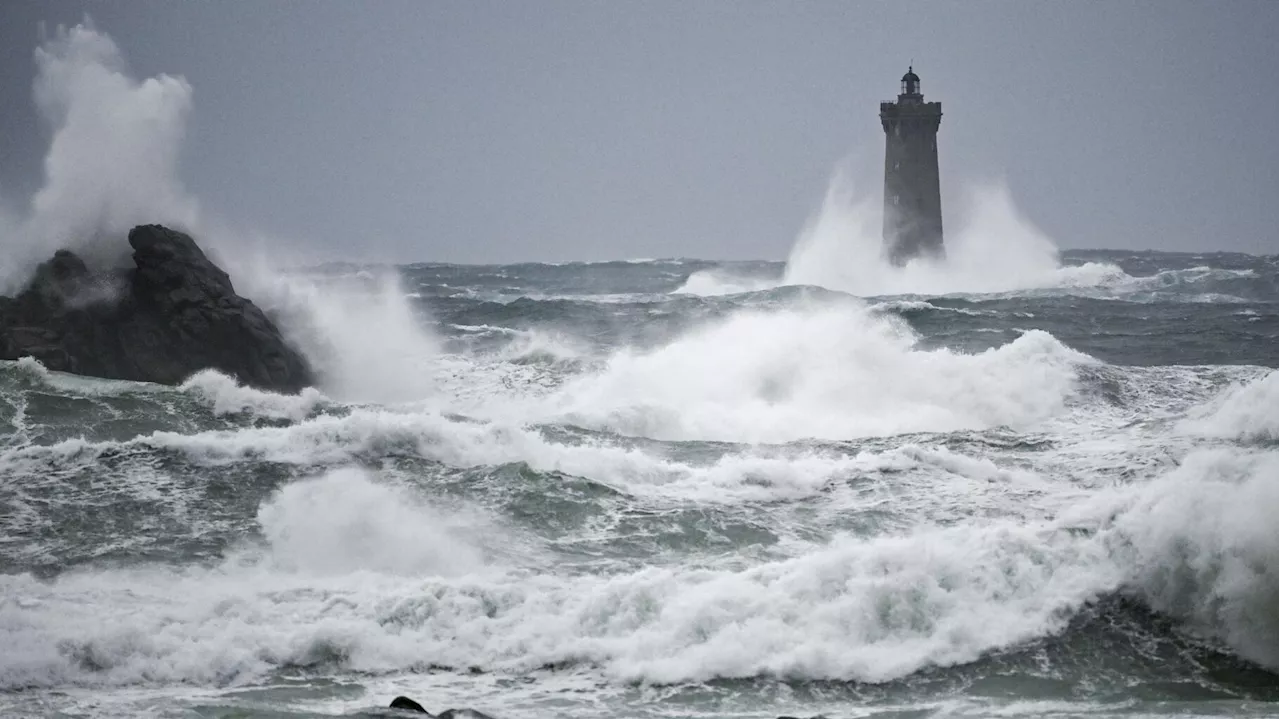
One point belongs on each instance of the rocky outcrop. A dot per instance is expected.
(409, 705)
(174, 314)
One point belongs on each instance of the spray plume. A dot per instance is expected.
(112, 164)
(113, 158)
(994, 248)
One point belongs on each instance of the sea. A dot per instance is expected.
(669, 488)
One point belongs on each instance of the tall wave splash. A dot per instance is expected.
(640, 488)
(994, 249)
(112, 164)
(112, 159)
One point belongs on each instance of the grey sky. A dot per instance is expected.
(504, 131)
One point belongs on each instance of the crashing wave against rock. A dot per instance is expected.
(175, 313)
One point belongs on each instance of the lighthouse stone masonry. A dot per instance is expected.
(912, 200)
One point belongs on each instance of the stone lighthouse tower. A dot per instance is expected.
(912, 201)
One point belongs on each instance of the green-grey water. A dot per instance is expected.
(663, 489)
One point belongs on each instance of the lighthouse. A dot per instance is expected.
(912, 200)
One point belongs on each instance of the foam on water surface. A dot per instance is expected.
(351, 575)
(1011, 484)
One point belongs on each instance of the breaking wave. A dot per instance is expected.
(1197, 544)
(995, 249)
(1201, 544)
(831, 370)
(113, 157)
(1244, 412)
(888, 505)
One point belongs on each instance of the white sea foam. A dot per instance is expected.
(539, 345)
(993, 249)
(750, 474)
(77, 384)
(1175, 285)
(230, 397)
(909, 305)
(1199, 543)
(343, 522)
(363, 336)
(31, 367)
(327, 440)
(829, 370)
(832, 370)
(357, 573)
(710, 283)
(113, 157)
(1249, 411)
(113, 164)
(866, 610)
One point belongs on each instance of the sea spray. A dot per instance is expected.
(227, 396)
(235, 544)
(732, 475)
(342, 522)
(1246, 411)
(868, 610)
(993, 248)
(856, 609)
(365, 339)
(112, 164)
(1203, 547)
(543, 511)
(833, 370)
(113, 157)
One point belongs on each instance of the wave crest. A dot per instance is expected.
(1244, 412)
(1202, 544)
(832, 370)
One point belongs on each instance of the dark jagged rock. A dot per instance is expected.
(174, 314)
(407, 704)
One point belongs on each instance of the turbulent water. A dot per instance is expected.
(666, 489)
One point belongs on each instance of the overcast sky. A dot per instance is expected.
(504, 131)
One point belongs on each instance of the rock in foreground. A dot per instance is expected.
(174, 314)
(409, 705)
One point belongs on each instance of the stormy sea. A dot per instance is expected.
(670, 488)
(1021, 482)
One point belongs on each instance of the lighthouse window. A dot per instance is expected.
(895, 200)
